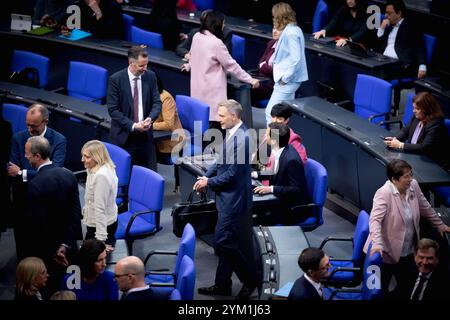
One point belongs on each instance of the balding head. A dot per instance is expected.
(130, 273)
(37, 119)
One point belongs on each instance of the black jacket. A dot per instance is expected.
(303, 290)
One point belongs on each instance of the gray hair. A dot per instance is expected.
(39, 108)
(39, 145)
(232, 107)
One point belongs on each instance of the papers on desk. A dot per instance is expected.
(284, 290)
(76, 34)
(40, 31)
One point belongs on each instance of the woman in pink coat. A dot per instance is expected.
(209, 64)
(394, 223)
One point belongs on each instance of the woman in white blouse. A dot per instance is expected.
(100, 209)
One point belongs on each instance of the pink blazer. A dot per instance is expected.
(386, 224)
(209, 63)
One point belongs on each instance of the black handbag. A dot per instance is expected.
(202, 215)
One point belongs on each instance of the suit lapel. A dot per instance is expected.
(399, 204)
(128, 92)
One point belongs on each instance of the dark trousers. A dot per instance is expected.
(403, 271)
(111, 230)
(233, 243)
(142, 150)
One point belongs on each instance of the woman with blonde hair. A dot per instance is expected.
(64, 295)
(289, 62)
(31, 276)
(100, 209)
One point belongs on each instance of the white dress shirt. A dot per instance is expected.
(139, 84)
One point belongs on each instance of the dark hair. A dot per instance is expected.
(425, 244)
(281, 133)
(426, 102)
(396, 168)
(137, 51)
(310, 259)
(281, 110)
(88, 255)
(159, 83)
(398, 5)
(213, 22)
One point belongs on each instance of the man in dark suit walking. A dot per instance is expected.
(315, 265)
(230, 180)
(20, 170)
(53, 223)
(134, 104)
(286, 177)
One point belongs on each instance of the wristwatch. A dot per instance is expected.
(19, 172)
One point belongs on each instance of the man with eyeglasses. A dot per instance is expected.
(21, 172)
(130, 276)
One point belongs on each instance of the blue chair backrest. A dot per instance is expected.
(175, 295)
(407, 116)
(372, 96)
(151, 39)
(128, 22)
(122, 160)
(238, 49)
(430, 43)
(146, 191)
(186, 279)
(360, 235)
(191, 110)
(87, 81)
(371, 285)
(16, 115)
(320, 17)
(204, 4)
(24, 59)
(187, 246)
(317, 181)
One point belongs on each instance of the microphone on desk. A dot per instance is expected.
(340, 125)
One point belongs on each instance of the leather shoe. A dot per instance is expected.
(245, 293)
(215, 290)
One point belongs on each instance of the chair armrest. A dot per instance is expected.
(388, 122)
(133, 217)
(160, 272)
(325, 241)
(162, 285)
(377, 116)
(342, 269)
(159, 252)
(336, 291)
(315, 208)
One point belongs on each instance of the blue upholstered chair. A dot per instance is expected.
(192, 112)
(340, 274)
(309, 216)
(145, 202)
(87, 81)
(16, 115)
(128, 22)
(320, 18)
(122, 160)
(407, 116)
(372, 98)
(175, 295)
(238, 49)
(24, 59)
(185, 282)
(371, 283)
(204, 4)
(151, 39)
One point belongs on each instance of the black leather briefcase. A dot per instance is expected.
(202, 215)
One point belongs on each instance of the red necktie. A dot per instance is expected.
(136, 100)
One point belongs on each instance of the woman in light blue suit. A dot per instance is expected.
(289, 65)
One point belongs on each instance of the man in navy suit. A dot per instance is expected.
(130, 276)
(53, 221)
(134, 104)
(230, 179)
(286, 177)
(21, 172)
(315, 265)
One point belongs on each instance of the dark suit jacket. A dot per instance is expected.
(57, 154)
(289, 182)
(303, 290)
(436, 289)
(120, 103)
(54, 213)
(432, 141)
(185, 46)
(409, 45)
(232, 181)
(147, 294)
